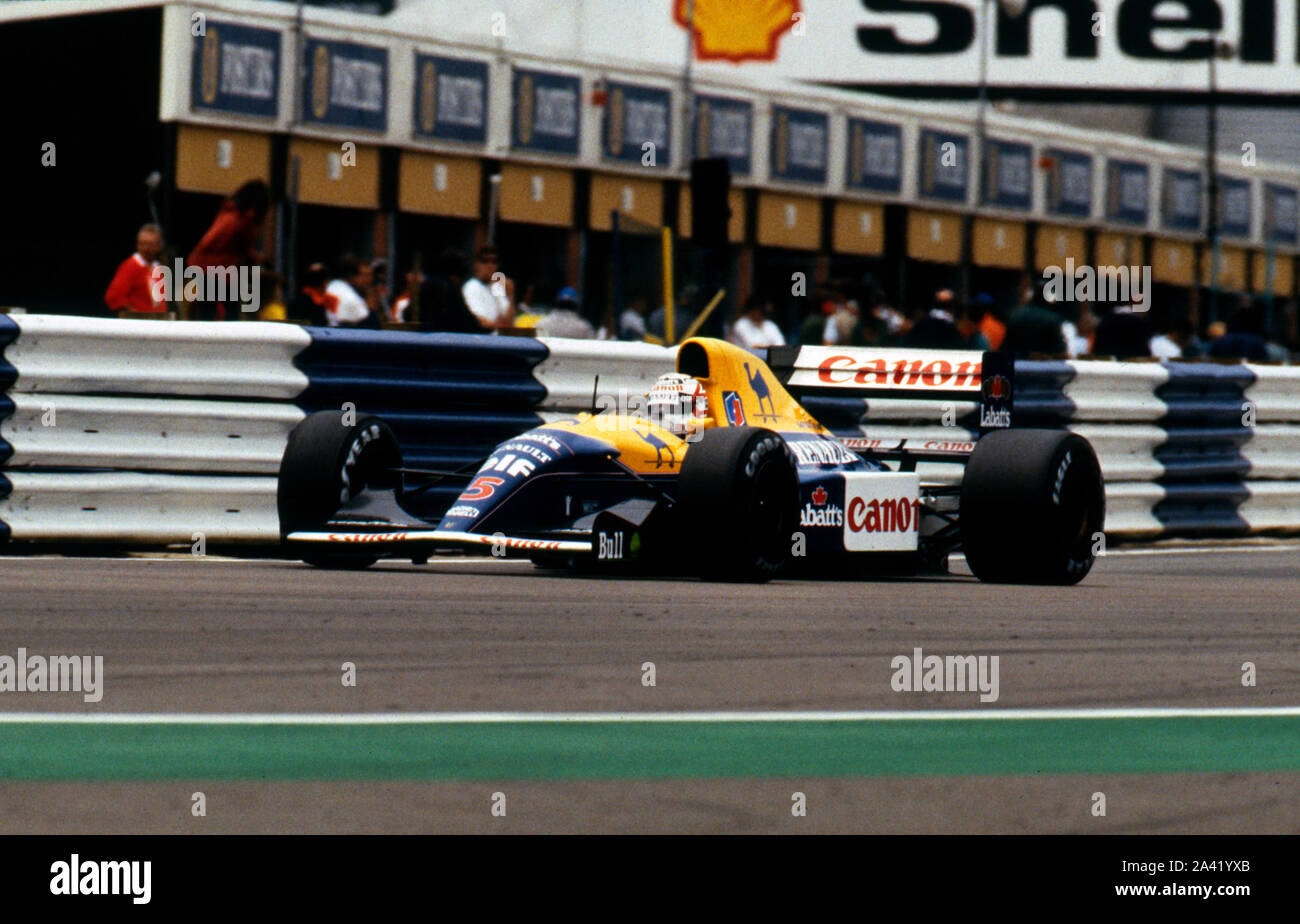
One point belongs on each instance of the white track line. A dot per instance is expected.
(444, 718)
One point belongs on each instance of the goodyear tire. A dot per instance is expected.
(1032, 505)
(738, 495)
(327, 463)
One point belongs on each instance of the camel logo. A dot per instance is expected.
(737, 30)
(762, 393)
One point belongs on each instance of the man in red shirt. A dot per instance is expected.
(131, 288)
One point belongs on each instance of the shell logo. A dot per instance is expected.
(738, 30)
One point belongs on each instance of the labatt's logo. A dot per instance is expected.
(818, 513)
(738, 30)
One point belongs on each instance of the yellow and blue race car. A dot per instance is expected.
(722, 474)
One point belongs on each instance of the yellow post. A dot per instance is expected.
(670, 326)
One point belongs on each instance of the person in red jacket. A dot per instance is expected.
(232, 240)
(132, 287)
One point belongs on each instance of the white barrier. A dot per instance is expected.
(570, 371)
(1275, 394)
(1107, 391)
(131, 507)
(72, 355)
(150, 434)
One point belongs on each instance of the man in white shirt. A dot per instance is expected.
(488, 293)
(754, 330)
(349, 289)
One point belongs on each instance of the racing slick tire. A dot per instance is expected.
(326, 463)
(738, 494)
(1033, 504)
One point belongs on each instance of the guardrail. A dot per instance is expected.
(152, 432)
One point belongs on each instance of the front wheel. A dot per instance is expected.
(1033, 506)
(331, 457)
(738, 495)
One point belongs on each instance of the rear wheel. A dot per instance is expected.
(738, 501)
(1033, 505)
(330, 459)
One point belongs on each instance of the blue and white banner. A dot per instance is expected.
(944, 168)
(798, 148)
(1069, 183)
(724, 127)
(1281, 215)
(1128, 191)
(1234, 207)
(346, 84)
(236, 69)
(637, 116)
(1180, 198)
(875, 158)
(546, 112)
(1008, 174)
(451, 98)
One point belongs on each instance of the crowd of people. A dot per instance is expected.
(473, 295)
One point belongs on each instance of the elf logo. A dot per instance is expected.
(735, 409)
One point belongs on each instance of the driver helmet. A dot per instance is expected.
(675, 400)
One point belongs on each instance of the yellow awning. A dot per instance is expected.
(220, 160)
(434, 184)
(789, 221)
(336, 173)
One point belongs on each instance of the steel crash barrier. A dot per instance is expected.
(154, 432)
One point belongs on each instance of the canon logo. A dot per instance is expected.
(938, 373)
(892, 515)
(1152, 30)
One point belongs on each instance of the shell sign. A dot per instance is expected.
(738, 30)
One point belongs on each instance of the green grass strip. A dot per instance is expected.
(603, 750)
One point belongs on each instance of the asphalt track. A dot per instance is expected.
(216, 638)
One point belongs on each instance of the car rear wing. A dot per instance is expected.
(858, 378)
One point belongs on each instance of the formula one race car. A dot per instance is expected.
(723, 475)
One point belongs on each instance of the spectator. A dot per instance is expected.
(313, 303)
(1034, 328)
(132, 287)
(1177, 341)
(844, 326)
(232, 240)
(990, 324)
(631, 323)
(1243, 339)
(442, 304)
(968, 326)
(938, 329)
(565, 319)
(488, 294)
(352, 289)
(397, 314)
(755, 329)
(1124, 334)
(377, 299)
